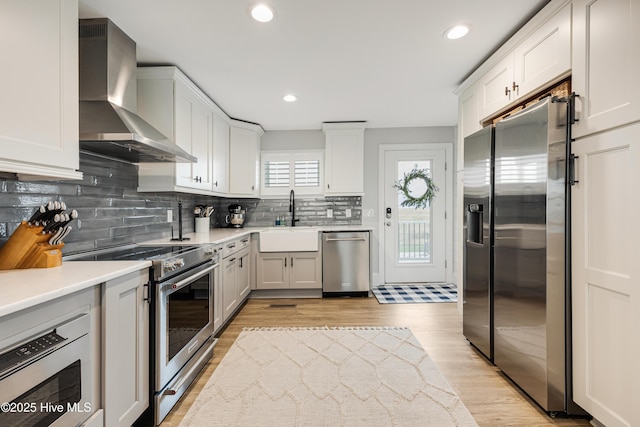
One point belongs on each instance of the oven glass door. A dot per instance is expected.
(185, 319)
(51, 391)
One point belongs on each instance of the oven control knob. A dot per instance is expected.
(174, 264)
(210, 251)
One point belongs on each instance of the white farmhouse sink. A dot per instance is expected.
(289, 239)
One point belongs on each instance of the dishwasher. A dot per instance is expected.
(345, 264)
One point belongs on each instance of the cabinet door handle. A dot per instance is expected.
(215, 183)
(506, 91)
(328, 186)
(146, 294)
(232, 260)
(291, 262)
(285, 262)
(240, 262)
(515, 87)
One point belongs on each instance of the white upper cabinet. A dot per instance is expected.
(544, 56)
(495, 88)
(170, 102)
(606, 62)
(244, 159)
(344, 159)
(541, 58)
(220, 155)
(39, 106)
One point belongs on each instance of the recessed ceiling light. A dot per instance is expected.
(262, 13)
(290, 98)
(457, 32)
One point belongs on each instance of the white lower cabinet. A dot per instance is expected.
(125, 344)
(289, 270)
(605, 276)
(236, 272)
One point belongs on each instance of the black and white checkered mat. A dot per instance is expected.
(416, 293)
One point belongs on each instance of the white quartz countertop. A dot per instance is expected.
(221, 235)
(20, 289)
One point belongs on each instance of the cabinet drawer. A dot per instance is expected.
(235, 245)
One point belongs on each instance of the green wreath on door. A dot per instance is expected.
(421, 200)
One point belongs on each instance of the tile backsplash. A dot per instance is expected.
(111, 211)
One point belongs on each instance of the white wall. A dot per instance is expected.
(314, 139)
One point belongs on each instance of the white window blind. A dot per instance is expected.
(276, 174)
(307, 173)
(301, 171)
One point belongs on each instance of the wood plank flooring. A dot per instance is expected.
(489, 396)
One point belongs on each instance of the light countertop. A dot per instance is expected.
(221, 235)
(20, 289)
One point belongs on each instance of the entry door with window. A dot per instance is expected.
(414, 239)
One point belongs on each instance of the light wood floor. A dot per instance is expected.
(489, 396)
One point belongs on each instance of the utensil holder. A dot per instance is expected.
(29, 248)
(202, 224)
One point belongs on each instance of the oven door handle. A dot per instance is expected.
(188, 278)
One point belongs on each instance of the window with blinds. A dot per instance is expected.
(276, 174)
(300, 171)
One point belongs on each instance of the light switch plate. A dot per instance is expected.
(329, 213)
(169, 215)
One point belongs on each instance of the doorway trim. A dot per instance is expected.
(449, 196)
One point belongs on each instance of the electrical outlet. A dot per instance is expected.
(347, 213)
(329, 213)
(170, 215)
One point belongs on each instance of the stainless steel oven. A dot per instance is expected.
(184, 315)
(46, 379)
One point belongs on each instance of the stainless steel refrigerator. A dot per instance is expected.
(527, 231)
(477, 325)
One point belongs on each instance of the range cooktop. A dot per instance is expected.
(131, 253)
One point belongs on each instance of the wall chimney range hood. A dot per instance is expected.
(109, 125)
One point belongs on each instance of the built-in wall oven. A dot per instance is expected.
(46, 379)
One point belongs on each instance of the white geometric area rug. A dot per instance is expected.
(359, 376)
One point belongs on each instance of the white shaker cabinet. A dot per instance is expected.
(236, 273)
(39, 105)
(606, 273)
(289, 270)
(606, 64)
(220, 162)
(171, 103)
(344, 158)
(539, 59)
(125, 348)
(244, 159)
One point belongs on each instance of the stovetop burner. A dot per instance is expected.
(167, 260)
(131, 253)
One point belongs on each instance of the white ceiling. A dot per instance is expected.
(383, 61)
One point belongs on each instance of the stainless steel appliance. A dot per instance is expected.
(109, 124)
(182, 314)
(530, 298)
(45, 379)
(477, 306)
(236, 216)
(345, 264)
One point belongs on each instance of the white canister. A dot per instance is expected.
(202, 224)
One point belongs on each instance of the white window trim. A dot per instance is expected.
(291, 157)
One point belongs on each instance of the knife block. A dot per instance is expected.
(29, 248)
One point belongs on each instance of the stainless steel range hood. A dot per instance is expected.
(108, 99)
